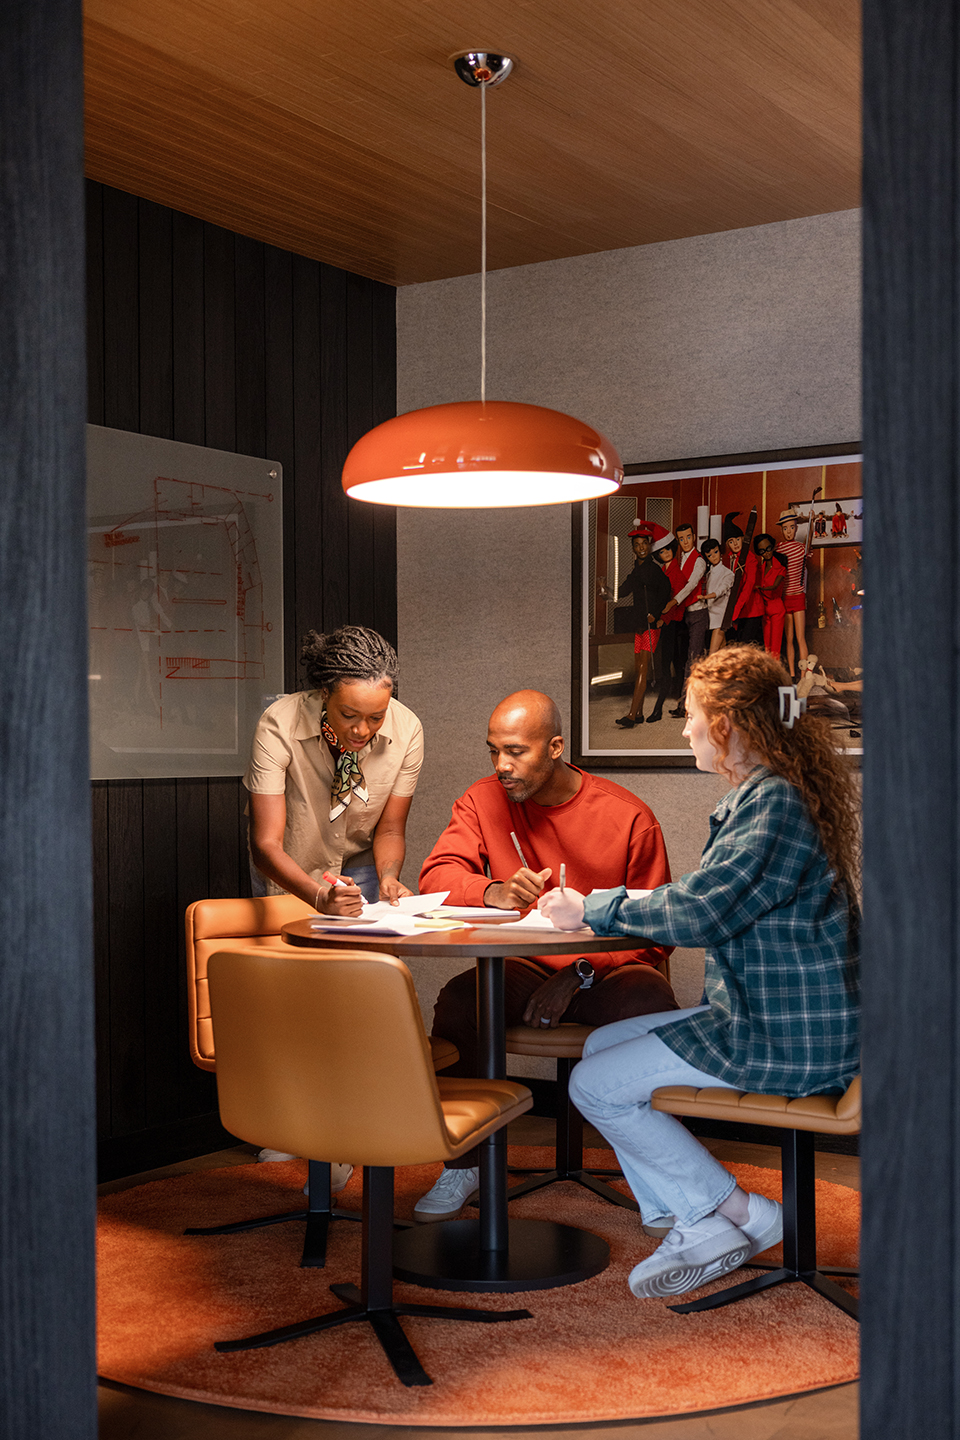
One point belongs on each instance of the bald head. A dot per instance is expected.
(526, 747)
(530, 711)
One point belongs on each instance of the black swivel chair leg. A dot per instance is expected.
(799, 1239)
(318, 1213)
(569, 1152)
(373, 1300)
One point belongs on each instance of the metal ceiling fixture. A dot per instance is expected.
(480, 454)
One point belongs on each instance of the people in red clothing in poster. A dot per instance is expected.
(839, 519)
(794, 554)
(693, 568)
(666, 554)
(771, 583)
(747, 618)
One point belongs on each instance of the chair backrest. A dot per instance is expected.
(323, 1054)
(210, 923)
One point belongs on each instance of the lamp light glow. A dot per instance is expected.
(471, 455)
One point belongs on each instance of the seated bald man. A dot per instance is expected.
(604, 835)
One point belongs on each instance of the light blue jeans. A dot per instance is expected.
(668, 1170)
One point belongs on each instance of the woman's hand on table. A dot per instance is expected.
(392, 890)
(344, 898)
(563, 908)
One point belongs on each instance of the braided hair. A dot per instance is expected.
(351, 653)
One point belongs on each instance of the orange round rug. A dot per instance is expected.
(591, 1353)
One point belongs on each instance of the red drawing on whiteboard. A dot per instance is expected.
(193, 549)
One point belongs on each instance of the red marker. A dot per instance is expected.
(334, 880)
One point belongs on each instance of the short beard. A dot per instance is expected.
(530, 788)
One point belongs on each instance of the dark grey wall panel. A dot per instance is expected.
(199, 335)
(911, 1285)
(46, 1014)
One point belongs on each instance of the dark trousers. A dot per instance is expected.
(667, 652)
(681, 644)
(628, 990)
(697, 622)
(747, 632)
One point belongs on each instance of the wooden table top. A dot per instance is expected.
(474, 940)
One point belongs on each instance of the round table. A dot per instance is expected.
(493, 1252)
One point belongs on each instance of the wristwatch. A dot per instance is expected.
(585, 971)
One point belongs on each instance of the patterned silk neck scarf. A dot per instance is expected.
(348, 778)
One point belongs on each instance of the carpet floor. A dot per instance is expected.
(591, 1353)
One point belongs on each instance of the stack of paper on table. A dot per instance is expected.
(382, 918)
(476, 912)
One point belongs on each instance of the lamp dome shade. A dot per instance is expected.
(476, 455)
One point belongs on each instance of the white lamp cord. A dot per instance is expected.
(483, 244)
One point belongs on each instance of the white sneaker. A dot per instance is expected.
(452, 1191)
(764, 1225)
(267, 1155)
(689, 1257)
(339, 1178)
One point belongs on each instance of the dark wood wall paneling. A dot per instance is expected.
(199, 335)
(911, 431)
(47, 1343)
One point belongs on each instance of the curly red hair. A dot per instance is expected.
(741, 683)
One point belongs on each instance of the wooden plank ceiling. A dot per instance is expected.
(338, 129)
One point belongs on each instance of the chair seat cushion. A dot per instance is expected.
(827, 1114)
(473, 1109)
(566, 1042)
(444, 1052)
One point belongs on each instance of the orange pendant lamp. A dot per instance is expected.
(481, 454)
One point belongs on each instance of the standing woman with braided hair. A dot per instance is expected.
(331, 776)
(775, 905)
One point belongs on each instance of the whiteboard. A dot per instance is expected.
(185, 602)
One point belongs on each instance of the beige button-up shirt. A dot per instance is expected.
(290, 757)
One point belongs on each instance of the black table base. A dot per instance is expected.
(541, 1256)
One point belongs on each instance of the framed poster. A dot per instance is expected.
(185, 603)
(722, 505)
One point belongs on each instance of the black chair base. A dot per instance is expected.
(586, 1178)
(318, 1213)
(815, 1279)
(799, 1240)
(373, 1301)
(569, 1153)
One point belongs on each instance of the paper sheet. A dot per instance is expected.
(382, 918)
(477, 912)
(536, 921)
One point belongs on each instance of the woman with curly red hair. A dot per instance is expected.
(774, 903)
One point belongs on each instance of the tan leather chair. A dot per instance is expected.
(256, 924)
(797, 1120)
(565, 1045)
(324, 1053)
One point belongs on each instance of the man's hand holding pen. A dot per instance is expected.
(520, 892)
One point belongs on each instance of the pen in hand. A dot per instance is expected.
(516, 845)
(335, 879)
(563, 877)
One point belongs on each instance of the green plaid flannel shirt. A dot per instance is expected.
(782, 952)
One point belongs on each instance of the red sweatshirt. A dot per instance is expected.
(604, 835)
